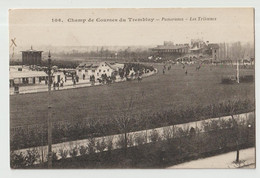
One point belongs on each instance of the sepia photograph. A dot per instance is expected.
(132, 88)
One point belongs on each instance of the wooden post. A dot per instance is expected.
(237, 158)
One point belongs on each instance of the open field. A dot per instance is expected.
(153, 94)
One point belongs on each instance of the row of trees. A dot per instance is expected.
(105, 53)
(236, 50)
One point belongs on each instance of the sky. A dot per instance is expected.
(35, 26)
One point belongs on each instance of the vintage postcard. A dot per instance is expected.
(132, 88)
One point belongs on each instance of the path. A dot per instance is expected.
(247, 160)
(67, 85)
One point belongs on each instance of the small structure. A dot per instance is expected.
(32, 57)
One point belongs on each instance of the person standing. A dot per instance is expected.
(61, 82)
(54, 85)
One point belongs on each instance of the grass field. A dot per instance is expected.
(153, 94)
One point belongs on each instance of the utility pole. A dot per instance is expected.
(237, 71)
(49, 113)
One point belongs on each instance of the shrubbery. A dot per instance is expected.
(173, 146)
(247, 78)
(24, 160)
(76, 130)
(242, 79)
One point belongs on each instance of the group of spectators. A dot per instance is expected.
(58, 84)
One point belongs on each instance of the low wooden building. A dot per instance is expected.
(24, 76)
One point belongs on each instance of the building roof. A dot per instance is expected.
(117, 66)
(88, 64)
(162, 47)
(93, 66)
(26, 74)
(111, 66)
(195, 49)
(31, 50)
(213, 45)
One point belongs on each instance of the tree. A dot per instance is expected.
(124, 119)
(235, 128)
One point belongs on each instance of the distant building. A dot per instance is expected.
(196, 50)
(214, 50)
(97, 69)
(198, 46)
(186, 53)
(168, 49)
(22, 75)
(32, 57)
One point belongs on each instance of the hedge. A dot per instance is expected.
(173, 147)
(82, 129)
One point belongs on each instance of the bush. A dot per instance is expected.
(130, 140)
(21, 161)
(228, 81)
(101, 145)
(91, 146)
(110, 143)
(154, 136)
(31, 157)
(168, 133)
(74, 152)
(247, 78)
(54, 156)
(140, 138)
(82, 150)
(17, 160)
(180, 132)
(121, 141)
(63, 153)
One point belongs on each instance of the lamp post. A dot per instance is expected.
(49, 113)
(248, 132)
